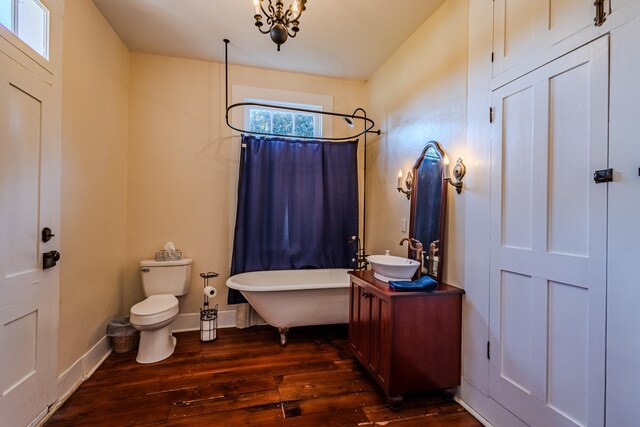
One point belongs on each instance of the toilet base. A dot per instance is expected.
(156, 345)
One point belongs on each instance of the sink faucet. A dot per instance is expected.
(418, 247)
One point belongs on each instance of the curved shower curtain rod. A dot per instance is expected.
(368, 123)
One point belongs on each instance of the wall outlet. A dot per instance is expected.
(403, 225)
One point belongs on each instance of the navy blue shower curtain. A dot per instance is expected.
(297, 205)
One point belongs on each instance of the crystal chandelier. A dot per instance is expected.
(281, 23)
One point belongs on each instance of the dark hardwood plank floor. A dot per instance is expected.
(246, 378)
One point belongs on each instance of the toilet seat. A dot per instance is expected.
(154, 309)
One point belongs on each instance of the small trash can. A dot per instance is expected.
(124, 337)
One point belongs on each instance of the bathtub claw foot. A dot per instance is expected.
(283, 336)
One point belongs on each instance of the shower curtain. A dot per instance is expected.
(297, 205)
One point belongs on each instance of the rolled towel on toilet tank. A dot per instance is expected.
(210, 291)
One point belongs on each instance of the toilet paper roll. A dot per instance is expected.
(210, 291)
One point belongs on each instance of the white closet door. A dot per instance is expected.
(548, 250)
(523, 27)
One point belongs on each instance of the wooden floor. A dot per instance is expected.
(246, 378)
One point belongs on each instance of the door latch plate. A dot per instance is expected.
(604, 175)
(49, 259)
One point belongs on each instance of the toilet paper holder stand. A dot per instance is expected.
(208, 316)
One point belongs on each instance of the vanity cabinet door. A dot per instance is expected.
(379, 331)
(359, 334)
(369, 330)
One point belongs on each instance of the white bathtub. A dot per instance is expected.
(288, 298)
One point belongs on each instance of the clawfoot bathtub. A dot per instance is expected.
(289, 298)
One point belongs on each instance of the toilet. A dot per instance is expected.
(162, 282)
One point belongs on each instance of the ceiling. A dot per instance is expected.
(338, 38)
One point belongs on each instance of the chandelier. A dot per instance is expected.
(281, 23)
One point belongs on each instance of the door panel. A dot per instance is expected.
(568, 345)
(374, 356)
(548, 254)
(516, 160)
(23, 170)
(569, 162)
(517, 316)
(523, 27)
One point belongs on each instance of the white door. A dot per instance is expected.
(29, 194)
(548, 250)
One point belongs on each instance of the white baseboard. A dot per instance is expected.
(82, 369)
(485, 409)
(78, 372)
(472, 411)
(191, 321)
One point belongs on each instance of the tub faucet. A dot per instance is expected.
(418, 247)
(360, 257)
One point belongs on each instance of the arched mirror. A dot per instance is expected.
(429, 209)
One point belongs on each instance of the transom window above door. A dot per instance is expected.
(29, 21)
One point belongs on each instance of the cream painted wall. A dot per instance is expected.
(418, 95)
(95, 87)
(183, 161)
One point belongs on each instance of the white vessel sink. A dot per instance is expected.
(389, 267)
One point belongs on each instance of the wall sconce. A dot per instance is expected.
(459, 171)
(408, 183)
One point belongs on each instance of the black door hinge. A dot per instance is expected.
(489, 350)
(601, 15)
(491, 56)
(490, 114)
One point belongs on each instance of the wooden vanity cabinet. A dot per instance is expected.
(408, 341)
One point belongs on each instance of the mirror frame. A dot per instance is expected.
(443, 212)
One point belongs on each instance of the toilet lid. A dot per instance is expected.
(155, 304)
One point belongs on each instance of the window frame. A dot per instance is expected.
(317, 117)
(12, 34)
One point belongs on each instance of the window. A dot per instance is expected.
(29, 20)
(282, 122)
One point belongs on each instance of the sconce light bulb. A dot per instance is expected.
(295, 7)
(399, 186)
(399, 173)
(446, 167)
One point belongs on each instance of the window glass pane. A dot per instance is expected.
(304, 125)
(5, 13)
(260, 121)
(282, 123)
(32, 25)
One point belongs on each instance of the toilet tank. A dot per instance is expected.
(165, 277)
